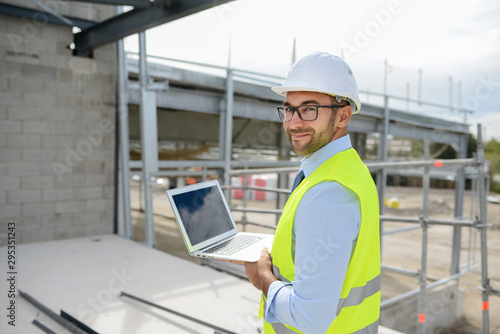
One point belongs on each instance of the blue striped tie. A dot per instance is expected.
(298, 178)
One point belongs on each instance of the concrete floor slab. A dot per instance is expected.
(84, 277)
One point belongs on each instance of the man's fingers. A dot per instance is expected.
(233, 262)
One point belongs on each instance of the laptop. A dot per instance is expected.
(208, 228)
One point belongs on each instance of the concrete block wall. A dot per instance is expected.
(56, 129)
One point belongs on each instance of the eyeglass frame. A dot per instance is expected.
(296, 109)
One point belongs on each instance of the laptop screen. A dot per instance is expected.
(203, 213)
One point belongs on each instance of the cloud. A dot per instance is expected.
(490, 124)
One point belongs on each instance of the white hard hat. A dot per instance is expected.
(324, 73)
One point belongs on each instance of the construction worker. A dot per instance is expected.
(323, 273)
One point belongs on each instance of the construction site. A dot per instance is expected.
(92, 136)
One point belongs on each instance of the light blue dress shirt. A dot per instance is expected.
(325, 232)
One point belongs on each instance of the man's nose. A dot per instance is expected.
(296, 121)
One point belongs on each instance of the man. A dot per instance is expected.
(323, 274)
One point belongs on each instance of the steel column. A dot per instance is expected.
(228, 145)
(425, 215)
(459, 202)
(485, 282)
(124, 140)
(149, 141)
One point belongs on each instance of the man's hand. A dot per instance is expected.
(260, 273)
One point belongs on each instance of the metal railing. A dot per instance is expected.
(423, 222)
(225, 167)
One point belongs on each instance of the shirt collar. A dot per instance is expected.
(309, 165)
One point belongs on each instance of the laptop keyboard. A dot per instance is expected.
(234, 245)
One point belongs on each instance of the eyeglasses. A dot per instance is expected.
(306, 113)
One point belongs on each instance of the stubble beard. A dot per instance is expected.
(317, 141)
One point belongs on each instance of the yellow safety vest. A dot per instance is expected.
(358, 310)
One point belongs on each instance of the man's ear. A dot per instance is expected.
(344, 116)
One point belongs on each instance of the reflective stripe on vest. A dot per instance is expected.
(358, 294)
(370, 329)
(276, 273)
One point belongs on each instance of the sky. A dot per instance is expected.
(455, 45)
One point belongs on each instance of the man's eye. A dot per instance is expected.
(308, 108)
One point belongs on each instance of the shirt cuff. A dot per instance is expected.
(273, 290)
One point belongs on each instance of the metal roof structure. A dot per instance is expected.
(144, 15)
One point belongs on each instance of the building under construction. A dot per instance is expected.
(91, 136)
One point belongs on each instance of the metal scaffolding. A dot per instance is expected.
(226, 167)
(478, 222)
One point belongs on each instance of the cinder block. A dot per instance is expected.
(37, 99)
(11, 211)
(94, 167)
(99, 154)
(70, 207)
(57, 114)
(3, 111)
(92, 115)
(9, 68)
(98, 179)
(66, 232)
(10, 155)
(10, 182)
(4, 83)
(87, 218)
(22, 168)
(28, 223)
(54, 60)
(109, 167)
(38, 182)
(99, 229)
(53, 114)
(53, 195)
(47, 74)
(21, 112)
(7, 126)
(68, 101)
(10, 98)
(58, 219)
(36, 127)
(109, 191)
(38, 155)
(64, 75)
(24, 140)
(70, 181)
(65, 126)
(96, 205)
(56, 141)
(106, 67)
(80, 64)
(38, 209)
(3, 140)
(45, 234)
(28, 84)
(88, 193)
(23, 196)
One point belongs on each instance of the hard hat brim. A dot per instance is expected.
(282, 90)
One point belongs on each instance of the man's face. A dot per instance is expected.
(307, 137)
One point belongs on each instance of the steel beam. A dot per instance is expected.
(136, 21)
(133, 3)
(43, 17)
